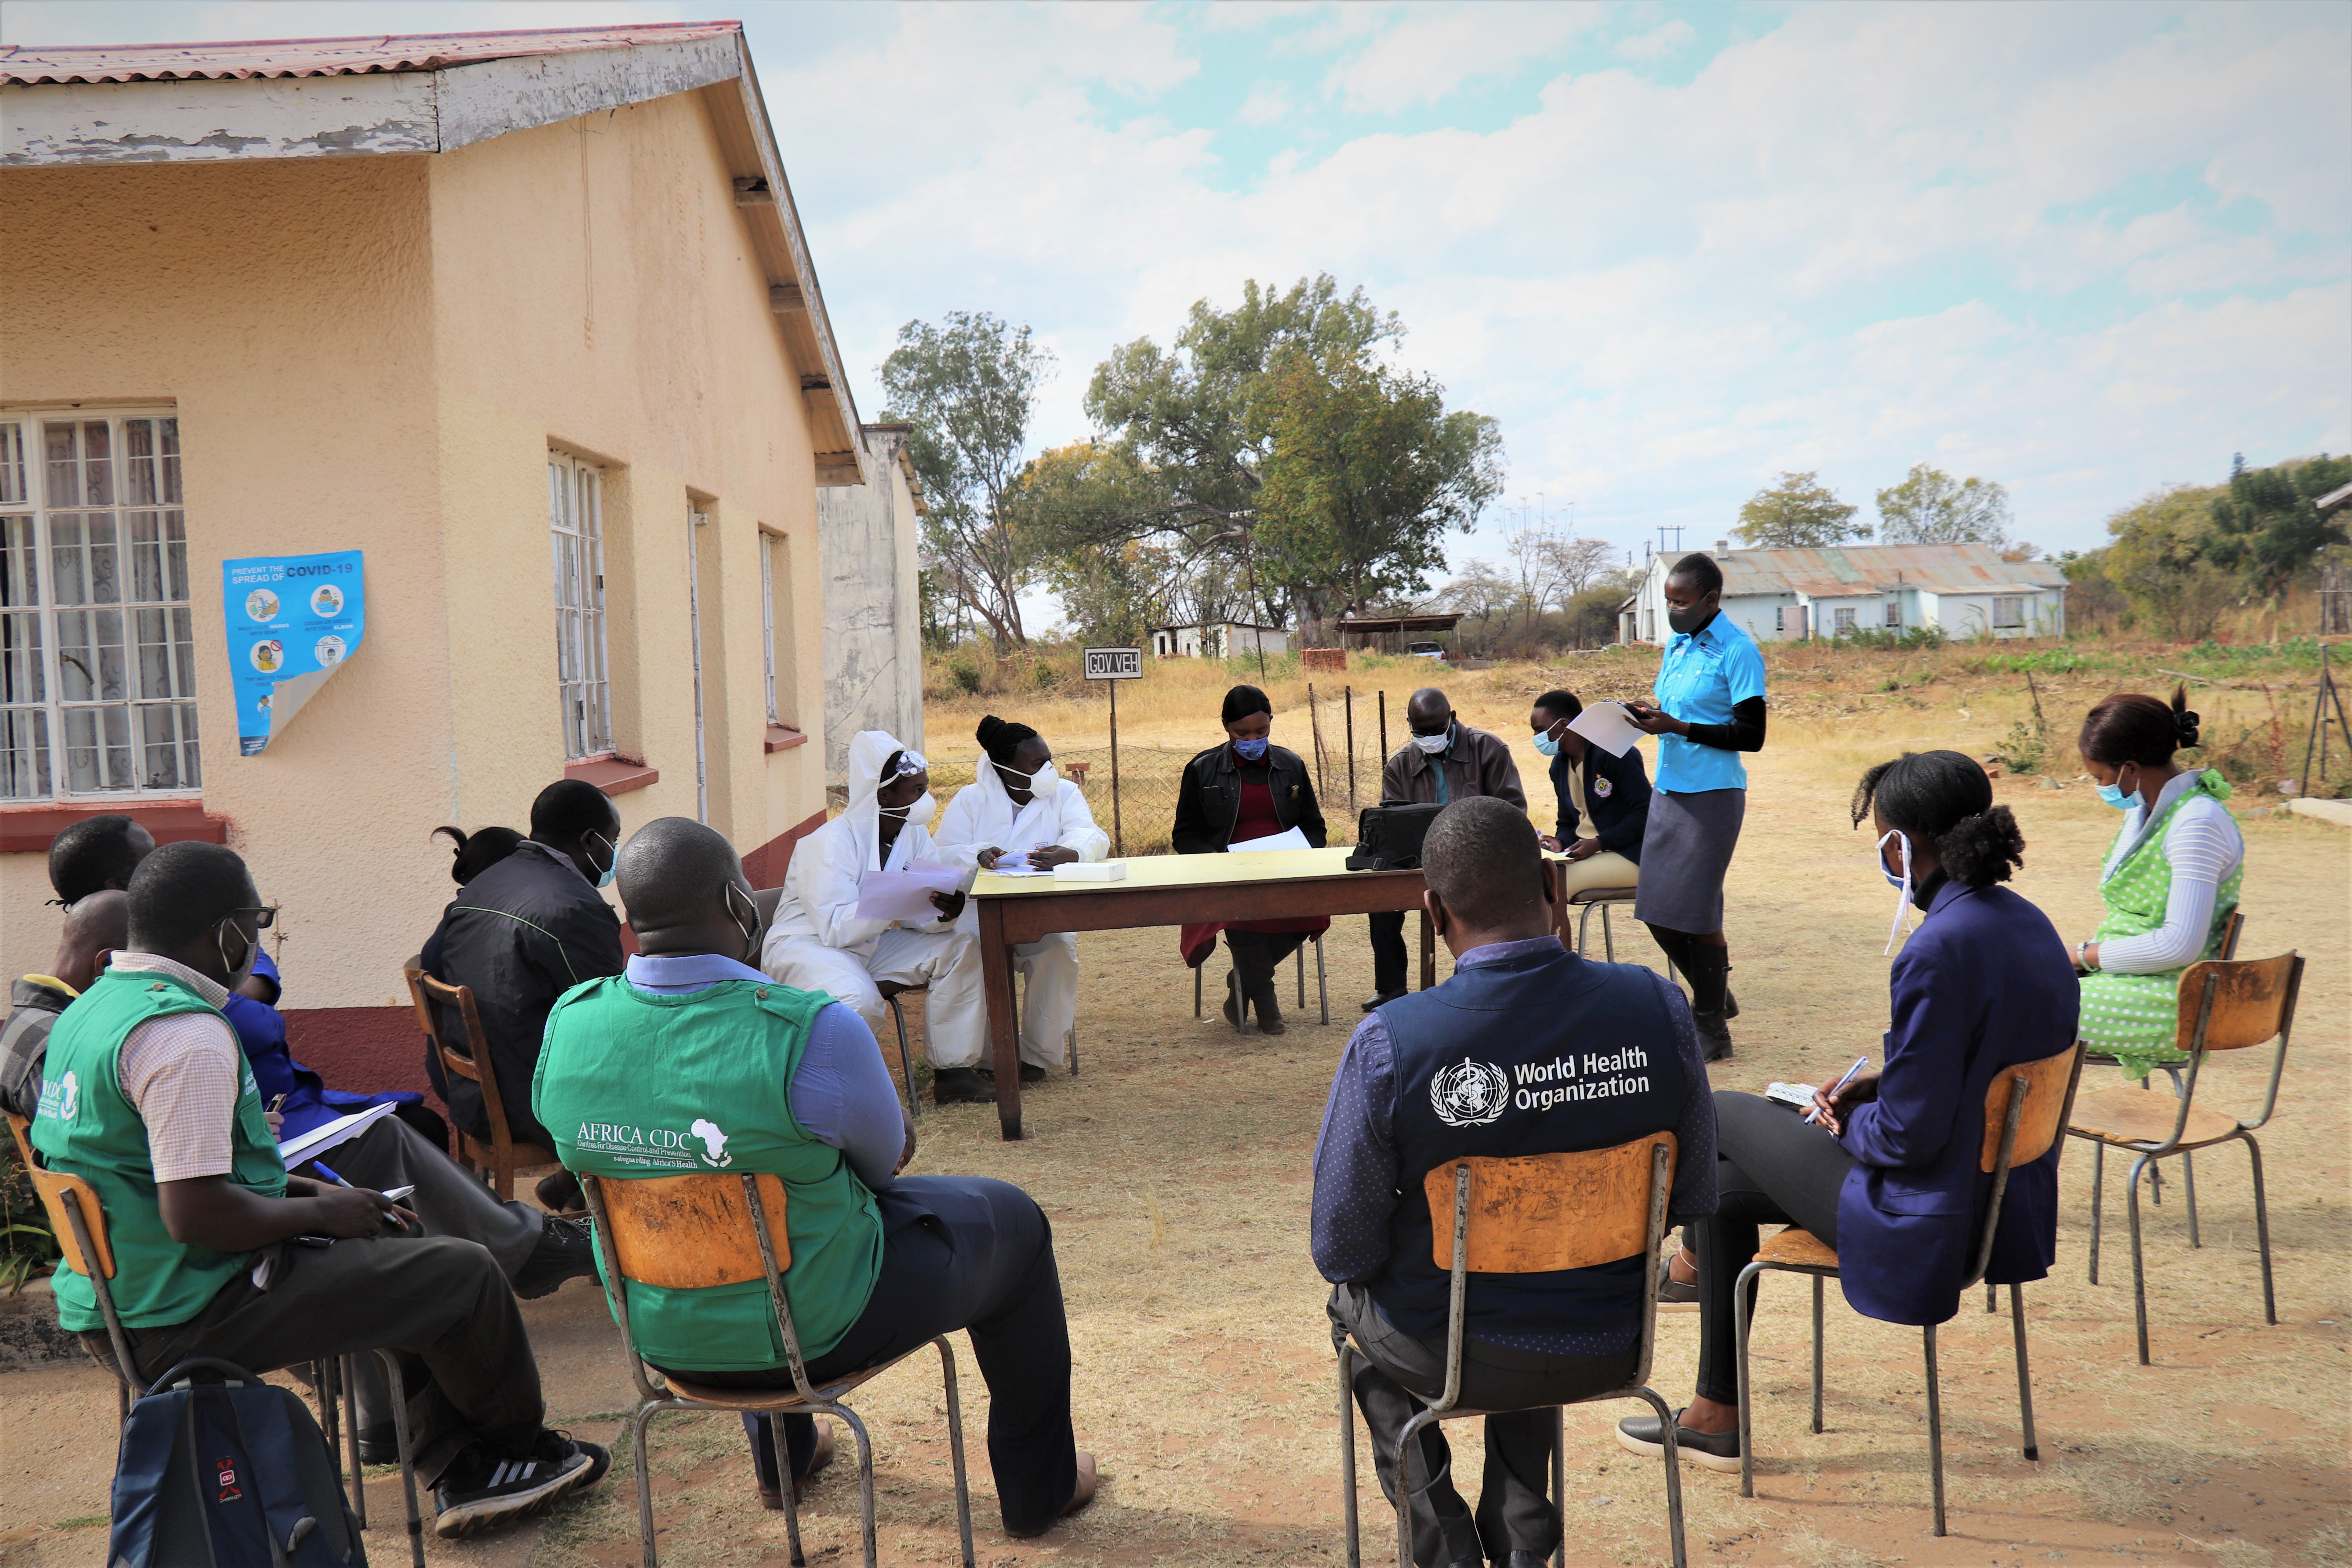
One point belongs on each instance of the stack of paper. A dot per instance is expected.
(342, 1130)
(1288, 839)
(1091, 871)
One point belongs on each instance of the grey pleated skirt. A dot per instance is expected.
(1686, 851)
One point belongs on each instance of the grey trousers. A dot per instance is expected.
(450, 1200)
(442, 1304)
(1515, 1513)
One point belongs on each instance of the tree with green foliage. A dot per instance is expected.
(1800, 511)
(966, 386)
(2159, 560)
(2266, 526)
(1930, 507)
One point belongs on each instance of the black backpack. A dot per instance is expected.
(1388, 837)
(234, 1474)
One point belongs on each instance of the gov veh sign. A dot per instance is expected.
(1114, 664)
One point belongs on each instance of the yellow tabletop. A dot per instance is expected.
(1183, 871)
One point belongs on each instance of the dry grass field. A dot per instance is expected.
(1176, 1170)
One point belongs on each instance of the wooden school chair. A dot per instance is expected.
(77, 1223)
(2025, 1110)
(447, 1017)
(689, 1232)
(2225, 1004)
(1532, 1216)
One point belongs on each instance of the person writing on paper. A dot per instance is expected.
(819, 943)
(1246, 789)
(1591, 785)
(1432, 1077)
(1017, 805)
(1710, 707)
(2170, 884)
(1442, 761)
(145, 1096)
(789, 1083)
(1887, 1176)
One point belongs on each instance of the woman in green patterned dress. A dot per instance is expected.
(2169, 883)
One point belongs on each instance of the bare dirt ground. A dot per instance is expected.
(1176, 1170)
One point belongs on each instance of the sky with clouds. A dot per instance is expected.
(2084, 250)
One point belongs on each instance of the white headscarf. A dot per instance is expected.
(868, 749)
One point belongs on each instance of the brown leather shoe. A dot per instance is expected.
(773, 1498)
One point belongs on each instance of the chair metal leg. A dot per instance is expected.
(1347, 1454)
(1740, 1327)
(2139, 1279)
(2099, 1186)
(637, 1424)
(955, 1448)
(1608, 939)
(1241, 1003)
(1584, 925)
(1421, 1418)
(397, 1393)
(1300, 957)
(1935, 1430)
(792, 1548)
(1071, 1047)
(1992, 1297)
(349, 1375)
(1322, 981)
(1196, 990)
(1675, 1460)
(1817, 1353)
(2024, 1370)
(905, 1059)
(1560, 1482)
(2189, 1186)
(865, 1476)
(2261, 1228)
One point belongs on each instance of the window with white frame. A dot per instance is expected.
(767, 545)
(575, 504)
(1781, 618)
(1894, 614)
(1844, 620)
(97, 687)
(2008, 612)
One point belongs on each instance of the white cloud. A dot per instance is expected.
(1434, 50)
(1267, 102)
(1659, 42)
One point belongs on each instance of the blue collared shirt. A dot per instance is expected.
(1701, 676)
(1356, 1173)
(841, 1094)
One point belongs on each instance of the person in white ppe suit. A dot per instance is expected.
(817, 943)
(1018, 806)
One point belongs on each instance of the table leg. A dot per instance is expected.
(1428, 951)
(1004, 1021)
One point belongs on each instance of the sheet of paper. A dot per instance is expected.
(1605, 725)
(342, 1130)
(1289, 839)
(905, 895)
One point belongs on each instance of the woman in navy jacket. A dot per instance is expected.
(1616, 792)
(1888, 1176)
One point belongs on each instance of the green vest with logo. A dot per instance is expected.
(631, 1083)
(86, 1127)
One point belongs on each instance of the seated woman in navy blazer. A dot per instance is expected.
(1887, 1175)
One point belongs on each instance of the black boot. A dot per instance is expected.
(1707, 965)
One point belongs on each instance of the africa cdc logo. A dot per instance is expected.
(1470, 1094)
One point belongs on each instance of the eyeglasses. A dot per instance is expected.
(263, 915)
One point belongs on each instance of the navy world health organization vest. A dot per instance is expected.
(1541, 1054)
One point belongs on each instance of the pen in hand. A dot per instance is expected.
(1831, 1096)
(398, 1216)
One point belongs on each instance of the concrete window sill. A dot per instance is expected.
(613, 775)
(784, 738)
(28, 829)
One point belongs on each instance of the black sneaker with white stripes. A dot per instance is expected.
(481, 1491)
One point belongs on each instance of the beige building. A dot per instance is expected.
(868, 541)
(529, 320)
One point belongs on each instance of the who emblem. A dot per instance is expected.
(1470, 1094)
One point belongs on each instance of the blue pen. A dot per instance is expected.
(329, 1174)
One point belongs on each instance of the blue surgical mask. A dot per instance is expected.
(1431, 745)
(1252, 750)
(612, 860)
(2115, 796)
(1545, 745)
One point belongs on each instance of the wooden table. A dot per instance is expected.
(1163, 890)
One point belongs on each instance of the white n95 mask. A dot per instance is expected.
(1903, 898)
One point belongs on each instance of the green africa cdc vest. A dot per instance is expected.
(636, 1084)
(87, 1128)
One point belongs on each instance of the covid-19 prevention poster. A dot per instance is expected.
(292, 622)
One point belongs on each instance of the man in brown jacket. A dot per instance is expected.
(1442, 761)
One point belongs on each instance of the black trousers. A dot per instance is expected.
(1770, 1168)
(1515, 1513)
(441, 1303)
(1256, 954)
(959, 1252)
(1388, 961)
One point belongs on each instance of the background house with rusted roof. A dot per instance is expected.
(529, 319)
(1965, 590)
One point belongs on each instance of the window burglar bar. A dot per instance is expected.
(575, 503)
(97, 652)
(2008, 612)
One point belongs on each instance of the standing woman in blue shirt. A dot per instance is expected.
(1710, 707)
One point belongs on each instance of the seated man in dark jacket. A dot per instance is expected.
(522, 935)
(1587, 782)
(1516, 1004)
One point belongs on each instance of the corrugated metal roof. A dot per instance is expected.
(29, 64)
(1855, 569)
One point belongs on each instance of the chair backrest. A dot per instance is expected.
(2047, 1084)
(2253, 1001)
(446, 1015)
(686, 1233)
(1539, 1212)
(56, 1189)
(2231, 930)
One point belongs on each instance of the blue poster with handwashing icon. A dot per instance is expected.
(292, 622)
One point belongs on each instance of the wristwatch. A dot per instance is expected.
(2082, 955)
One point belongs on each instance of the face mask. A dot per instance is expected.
(1690, 622)
(612, 859)
(1041, 782)
(1545, 745)
(243, 966)
(1903, 901)
(2114, 795)
(751, 931)
(1252, 750)
(1430, 745)
(916, 815)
